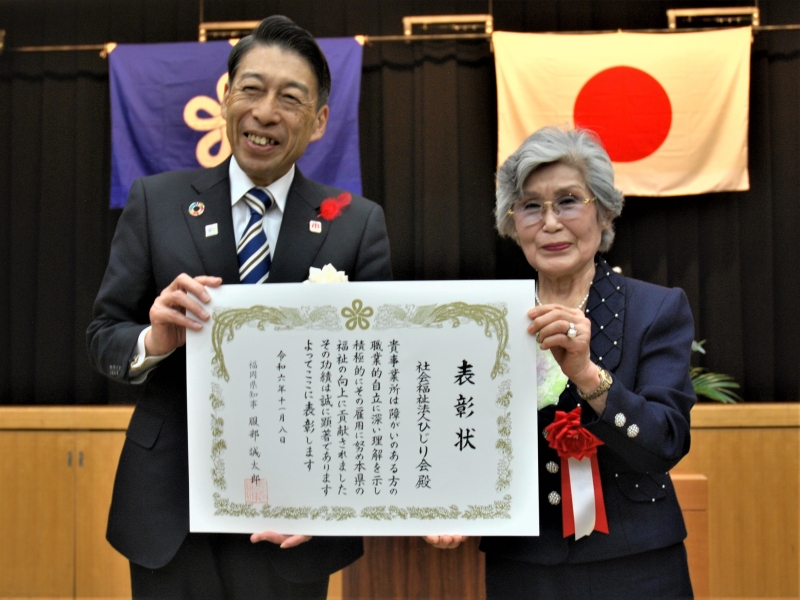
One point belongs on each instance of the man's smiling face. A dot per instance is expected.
(271, 112)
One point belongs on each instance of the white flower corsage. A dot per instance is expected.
(327, 274)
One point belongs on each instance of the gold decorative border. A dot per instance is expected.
(228, 321)
(503, 445)
(428, 513)
(333, 513)
(499, 509)
(218, 445)
(492, 317)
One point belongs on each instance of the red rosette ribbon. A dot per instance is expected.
(332, 207)
(583, 509)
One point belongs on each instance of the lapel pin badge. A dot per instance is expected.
(196, 209)
(315, 226)
(212, 229)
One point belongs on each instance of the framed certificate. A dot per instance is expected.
(380, 408)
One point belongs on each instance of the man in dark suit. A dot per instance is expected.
(180, 233)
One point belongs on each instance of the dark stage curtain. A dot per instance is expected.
(428, 141)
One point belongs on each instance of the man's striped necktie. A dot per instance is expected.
(253, 249)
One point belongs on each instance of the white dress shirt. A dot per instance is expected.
(240, 185)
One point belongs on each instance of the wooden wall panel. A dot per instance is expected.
(751, 456)
(100, 571)
(37, 510)
(692, 492)
(53, 511)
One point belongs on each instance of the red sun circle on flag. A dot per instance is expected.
(628, 109)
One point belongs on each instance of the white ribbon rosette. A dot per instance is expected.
(327, 274)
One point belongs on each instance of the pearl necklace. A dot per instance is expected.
(579, 307)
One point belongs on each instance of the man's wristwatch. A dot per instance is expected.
(605, 383)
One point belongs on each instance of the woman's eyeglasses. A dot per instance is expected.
(531, 212)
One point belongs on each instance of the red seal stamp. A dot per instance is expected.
(255, 490)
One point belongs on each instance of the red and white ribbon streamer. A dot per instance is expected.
(583, 509)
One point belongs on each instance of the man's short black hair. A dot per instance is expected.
(281, 31)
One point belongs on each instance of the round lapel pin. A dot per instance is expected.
(196, 209)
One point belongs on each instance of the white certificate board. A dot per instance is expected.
(376, 408)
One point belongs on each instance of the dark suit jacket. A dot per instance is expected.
(642, 334)
(156, 240)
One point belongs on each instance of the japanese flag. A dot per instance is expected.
(671, 109)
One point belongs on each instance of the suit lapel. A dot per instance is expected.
(217, 251)
(298, 246)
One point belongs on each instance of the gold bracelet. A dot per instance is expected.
(605, 383)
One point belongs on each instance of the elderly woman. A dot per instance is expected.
(615, 359)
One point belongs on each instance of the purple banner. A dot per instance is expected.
(165, 113)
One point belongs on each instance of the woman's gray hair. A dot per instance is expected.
(578, 148)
